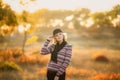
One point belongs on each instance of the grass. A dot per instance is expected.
(82, 67)
(100, 58)
(106, 77)
(10, 66)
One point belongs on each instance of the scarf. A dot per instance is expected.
(57, 48)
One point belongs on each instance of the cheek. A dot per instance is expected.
(56, 38)
(61, 36)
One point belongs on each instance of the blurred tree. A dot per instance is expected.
(115, 18)
(80, 15)
(24, 16)
(114, 15)
(26, 23)
(104, 18)
(114, 11)
(8, 19)
(108, 22)
(101, 19)
(40, 16)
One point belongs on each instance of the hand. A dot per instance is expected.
(56, 78)
(50, 38)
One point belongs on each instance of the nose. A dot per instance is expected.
(59, 37)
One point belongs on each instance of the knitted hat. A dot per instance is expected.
(56, 31)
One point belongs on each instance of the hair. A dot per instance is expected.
(64, 38)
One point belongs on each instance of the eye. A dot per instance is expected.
(56, 35)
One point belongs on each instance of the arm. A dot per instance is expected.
(66, 61)
(45, 48)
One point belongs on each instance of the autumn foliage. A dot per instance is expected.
(15, 55)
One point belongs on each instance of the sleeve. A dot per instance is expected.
(66, 61)
(45, 48)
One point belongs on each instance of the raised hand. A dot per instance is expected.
(50, 38)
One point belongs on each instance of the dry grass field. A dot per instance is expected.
(86, 64)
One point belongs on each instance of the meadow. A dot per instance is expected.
(95, 39)
(90, 61)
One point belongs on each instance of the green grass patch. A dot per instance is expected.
(10, 66)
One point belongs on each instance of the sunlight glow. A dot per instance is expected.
(21, 28)
(25, 27)
(71, 25)
(89, 22)
(69, 18)
(57, 22)
(93, 5)
(82, 23)
(116, 21)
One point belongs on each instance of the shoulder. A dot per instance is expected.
(68, 46)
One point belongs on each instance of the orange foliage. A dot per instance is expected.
(9, 54)
(32, 60)
(106, 77)
(42, 71)
(43, 59)
(12, 59)
(15, 55)
(71, 71)
(1, 59)
(6, 54)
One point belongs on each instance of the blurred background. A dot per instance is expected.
(92, 27)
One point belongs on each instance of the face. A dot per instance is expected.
(58, 37)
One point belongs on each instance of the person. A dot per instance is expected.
(61, 53)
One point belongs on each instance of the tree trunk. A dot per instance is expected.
(24, 41)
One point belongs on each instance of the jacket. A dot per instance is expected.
(63, 57)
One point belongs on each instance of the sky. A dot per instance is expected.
(93, 5)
